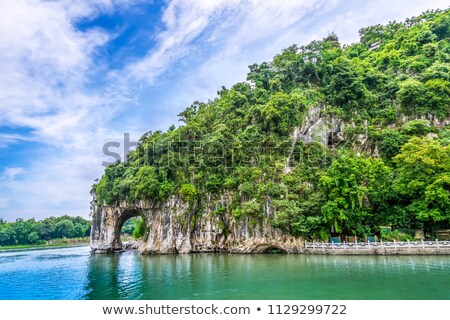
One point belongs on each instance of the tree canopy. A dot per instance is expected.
(34, 232)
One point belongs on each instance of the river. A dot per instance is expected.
(73, 273)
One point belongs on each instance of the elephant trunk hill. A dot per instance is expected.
(325, 140)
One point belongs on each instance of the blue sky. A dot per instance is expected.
(75, 74)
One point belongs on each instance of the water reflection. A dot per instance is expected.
(221, 276)
(74, 273)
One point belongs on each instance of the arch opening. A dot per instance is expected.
(127, 237)
(274, 250)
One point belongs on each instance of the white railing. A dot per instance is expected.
(379, 245)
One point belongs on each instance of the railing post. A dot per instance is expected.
(368, 241)
(423, 245)
(322, 245)
(344, 245)
(395, 245)
(437, 242)
(409, 244)
(382, 247)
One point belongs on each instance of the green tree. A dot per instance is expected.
(352, 186)
(139, 228)
(147, 184)
(33, 238)
(64, 228)
(6, 235)
(422, 179)
(438, 97)
(280, 113)
(345, 86)
(188, 192)
(412, 96)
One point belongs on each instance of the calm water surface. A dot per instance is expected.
(73, 273)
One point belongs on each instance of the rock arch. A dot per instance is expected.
(174, 226)
(107, 224)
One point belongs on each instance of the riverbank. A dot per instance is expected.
(51, 244)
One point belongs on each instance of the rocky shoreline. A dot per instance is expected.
(174, 227)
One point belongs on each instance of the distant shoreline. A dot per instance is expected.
(42, 247)
(2, 250)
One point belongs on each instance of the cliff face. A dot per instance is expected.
(174, 227)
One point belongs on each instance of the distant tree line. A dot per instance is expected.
(35, 232)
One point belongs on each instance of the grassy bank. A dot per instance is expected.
(55, 243)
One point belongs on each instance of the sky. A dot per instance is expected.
(77, 74)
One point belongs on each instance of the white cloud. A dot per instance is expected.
(347, 24)
(10, 173)
(59, 186)
(44, 63)
(235, 35)
(47, 67)
(257, 30)
(8, 139)
(6, 177)
(225, 36)
(183, 22)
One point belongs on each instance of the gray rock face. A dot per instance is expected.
(173, 227)
(106, 225)
(316, 128)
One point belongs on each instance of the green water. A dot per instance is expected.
(73, 273)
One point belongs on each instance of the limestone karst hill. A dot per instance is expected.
(324, 139)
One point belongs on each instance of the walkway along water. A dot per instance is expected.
(379, 248)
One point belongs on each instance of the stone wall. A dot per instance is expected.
(380, 251)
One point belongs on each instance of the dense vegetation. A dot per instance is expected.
(390, 167)
(22, 232)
